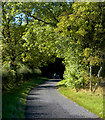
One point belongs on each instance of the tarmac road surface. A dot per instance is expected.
(45, 101)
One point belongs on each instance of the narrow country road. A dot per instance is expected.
(45, 101)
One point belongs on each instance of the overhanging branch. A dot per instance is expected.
(50, 23)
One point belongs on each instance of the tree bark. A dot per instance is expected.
(50, 23)
(98, 75)
(90, 78)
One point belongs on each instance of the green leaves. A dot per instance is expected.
(34, 33)
(87, 52)
(84, 27)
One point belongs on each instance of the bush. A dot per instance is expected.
(7, 77)
(11, 77)
(73, 76)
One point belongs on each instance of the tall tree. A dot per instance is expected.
(86, 27)
(27, 30)
(12, 32)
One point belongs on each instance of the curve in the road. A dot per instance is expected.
(45, 101)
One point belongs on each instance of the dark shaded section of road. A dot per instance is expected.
(45, 101)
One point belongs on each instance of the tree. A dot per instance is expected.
(38, 45)
(85, 26)
(45, 12)
(28, 35)
(12, 32)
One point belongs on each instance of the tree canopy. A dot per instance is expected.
(36, 33)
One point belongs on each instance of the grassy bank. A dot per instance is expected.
(84, 98)
(14, 100)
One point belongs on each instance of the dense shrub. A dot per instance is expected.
(11, 77)
(77, 76)
(73, 77)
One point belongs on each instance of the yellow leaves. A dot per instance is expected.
(89, 57)
(24, 60)
(23, 54)
(94, 60)
(60, 25)
(24, 44)
(87, 52)
(79, 41)
(72, 16)
(62, 34)
(31, 45)
(13, 11)
(28, 48)
(81, 31)
(64, 18)
(63, 24)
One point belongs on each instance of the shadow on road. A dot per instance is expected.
(43, 104)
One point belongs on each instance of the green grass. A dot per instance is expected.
(14, 100)
(92, 102)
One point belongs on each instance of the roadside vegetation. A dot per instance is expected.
(92, 102)
(14, 100)
(35, 34)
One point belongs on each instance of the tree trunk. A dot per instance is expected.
(13, 65)
(90, 78)
(98, 75)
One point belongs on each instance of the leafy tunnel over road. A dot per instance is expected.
(53, 67)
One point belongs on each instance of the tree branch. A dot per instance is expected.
(53, 24)
(98, 75)
(52, 14)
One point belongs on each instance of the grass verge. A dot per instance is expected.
(92, 102)
(14, 100)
